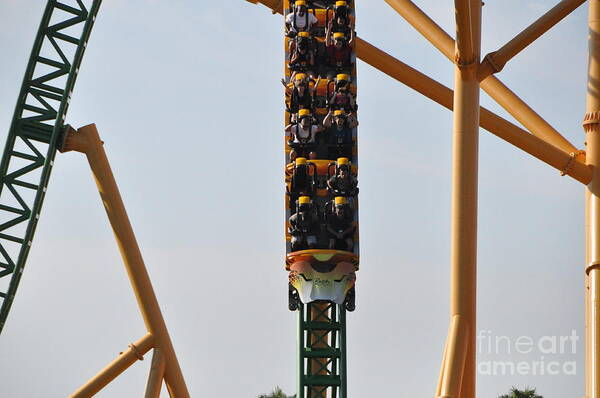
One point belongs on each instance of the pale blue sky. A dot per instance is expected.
(187, 97)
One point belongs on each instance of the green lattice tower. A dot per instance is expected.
(36, 129)
(321, 351)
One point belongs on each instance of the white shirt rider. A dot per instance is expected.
(304, 135)
(301, 21)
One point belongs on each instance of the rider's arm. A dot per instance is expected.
(314, 88)
(328, 119)
(352, 122)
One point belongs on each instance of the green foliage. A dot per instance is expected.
(527, 393)
(277, 393)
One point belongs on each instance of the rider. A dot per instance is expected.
(302, 53)
(304, 225)
(301, 94)
(341, 21)
(299, 20)
(339, 127)
(339, 225)
(342, 98)
(303, 134)
(339, 50)
(302, 183)
(343, 183)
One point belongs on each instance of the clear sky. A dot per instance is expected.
(186, 95)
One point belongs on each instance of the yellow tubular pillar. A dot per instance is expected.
(464, 33)
(587, 343)
(157, 373)
(491, 85)
(125, 360)
(87, 140)
(592, 129)
(465, 147)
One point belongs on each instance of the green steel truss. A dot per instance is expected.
(35, 132)
(321, 351)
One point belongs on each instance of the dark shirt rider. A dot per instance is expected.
(343, 183)
(339, 226)
(339, 131)
(341, 22)
(304, 226)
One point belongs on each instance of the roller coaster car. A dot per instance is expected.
(322, 275)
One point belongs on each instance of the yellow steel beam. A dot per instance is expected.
(157, 373)
(491, 85)
(592, 129)
(87, 141)
(464, 33)
(125, 359)
(425, 25)
(588, 334)
(495, 61)
(488, 120)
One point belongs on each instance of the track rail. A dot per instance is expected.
(36, 130)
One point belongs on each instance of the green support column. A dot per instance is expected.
(322, 351)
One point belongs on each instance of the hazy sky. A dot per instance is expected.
(186, 95)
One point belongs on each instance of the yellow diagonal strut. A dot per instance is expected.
(87, 141)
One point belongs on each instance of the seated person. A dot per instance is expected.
(302, 182)
(339, 132)
(300, 95)
(341, 21)
(343, 183)
(302, 53)
(303, 134)
(300, 20)
(342, 98)
(339, 50)
(339, 225)
(304, 225)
